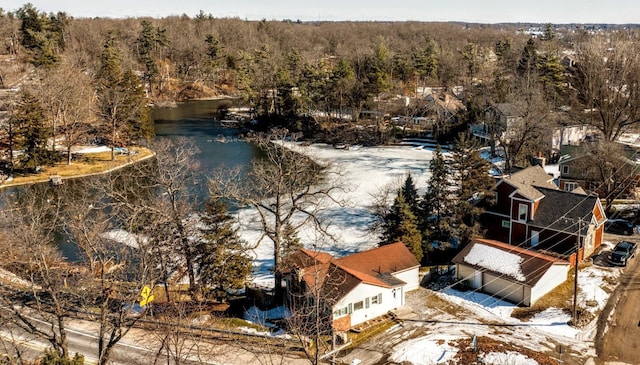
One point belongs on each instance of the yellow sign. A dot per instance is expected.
(146, 295)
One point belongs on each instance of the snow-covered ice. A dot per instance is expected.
(365, 171)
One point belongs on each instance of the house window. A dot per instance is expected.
(565, 169)
(358, 305)
(340, 312)
(522, 212)
(377, 299)
(570, 186)
(366, 302)
(506, 224)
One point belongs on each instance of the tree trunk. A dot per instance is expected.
(113, 140)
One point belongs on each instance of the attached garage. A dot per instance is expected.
(515, 274)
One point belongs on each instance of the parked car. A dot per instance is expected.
(619, 226)
(622, 253)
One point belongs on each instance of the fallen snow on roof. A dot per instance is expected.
(496, 260)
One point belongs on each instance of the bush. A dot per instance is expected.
(52, 357)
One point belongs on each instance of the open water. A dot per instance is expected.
(219, 146)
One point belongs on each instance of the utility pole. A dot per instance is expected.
(575, 280)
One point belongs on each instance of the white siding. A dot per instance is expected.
(411, 277)
(555, 275)
(527, 296)
(360, 293)
(467, 273)
(511, 290)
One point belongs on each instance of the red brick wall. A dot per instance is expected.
(342, 323)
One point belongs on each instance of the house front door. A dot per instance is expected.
(398, 297)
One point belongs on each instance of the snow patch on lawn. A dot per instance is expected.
(434, 349)
(511, 358)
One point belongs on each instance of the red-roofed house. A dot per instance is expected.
(353, 289)
(514, 273)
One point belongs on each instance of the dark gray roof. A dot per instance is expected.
(560, 211)
(390, 279)
(507, 109)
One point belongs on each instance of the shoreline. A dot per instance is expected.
(47, 179)
(175, 103)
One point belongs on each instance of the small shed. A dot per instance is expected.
(513, 273)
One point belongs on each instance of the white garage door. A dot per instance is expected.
(513, 292)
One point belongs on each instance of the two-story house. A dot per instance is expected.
(602, 169)
(353, 289)
(496, 122)
(502, 121)
(530, 211)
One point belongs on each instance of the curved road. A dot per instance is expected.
(618, 339)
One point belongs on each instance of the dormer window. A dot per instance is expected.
(565, 169)
(523, 210)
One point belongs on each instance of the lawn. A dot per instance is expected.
(83, 165)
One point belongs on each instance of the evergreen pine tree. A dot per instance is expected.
(121, 99)
(290, 241)
(221, 258)
(411, 194)
(528, 60)
(138, 123)
(547, 34)
(400, 225)
(435, 207)
(472, 182)
(552, 73)
(42, 35)
(32, 132)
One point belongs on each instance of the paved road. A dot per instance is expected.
(619, 325)
(140, 347)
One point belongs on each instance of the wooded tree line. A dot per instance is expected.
(288, 69)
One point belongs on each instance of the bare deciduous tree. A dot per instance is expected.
(532, 120)
(67, 94)
(285, 187)
(606, 80)
(115, 273)
(42, 302)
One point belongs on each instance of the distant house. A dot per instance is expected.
(516, 274)
(439, 110)
(496, 122)
(354, 289)
(579, 168)
(531, 212)
(500, 120)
